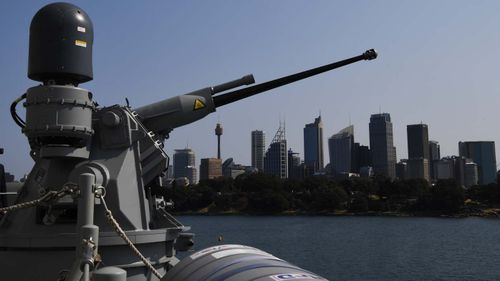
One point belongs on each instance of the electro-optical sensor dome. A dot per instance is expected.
(60, 49)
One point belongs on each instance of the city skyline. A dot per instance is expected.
(421, 152)
(434, 57)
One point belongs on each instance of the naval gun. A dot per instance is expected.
(168, 114)
(87, 207)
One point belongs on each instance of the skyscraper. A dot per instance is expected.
(341, 148)
(418, 141)
(184, 164)
(418, 151)
(293, 164)
(471, 174)
(483, 154)
(434, 150)
(258, 148)
(434, 156)
(446, 169)
(276, 157)
(381, 145)
(418, 168)
(210, 168)
(363, 156)
(313, 145)
(453, 167)
(402, 169)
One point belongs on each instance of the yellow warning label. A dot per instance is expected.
(81, 43)
(198, 104)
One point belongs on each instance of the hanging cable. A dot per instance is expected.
(20, 122)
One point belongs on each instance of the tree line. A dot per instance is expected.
(265, 194)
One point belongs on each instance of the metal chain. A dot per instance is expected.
(112, 221)
(52, 195)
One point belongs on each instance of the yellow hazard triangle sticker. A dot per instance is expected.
(198, 104)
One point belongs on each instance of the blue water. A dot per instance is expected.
(366, 248)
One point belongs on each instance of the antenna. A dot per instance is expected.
(284, 128)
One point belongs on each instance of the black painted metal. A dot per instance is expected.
(259, 88)
(60, 49)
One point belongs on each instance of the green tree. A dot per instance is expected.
(328, 197)
(365, 185)
(258, 182)
(445, 196)
(267, 202)
(358, 202)
(486, 194)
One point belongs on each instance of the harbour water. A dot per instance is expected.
(365, 248)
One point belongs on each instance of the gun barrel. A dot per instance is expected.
(266, 86)
(245, 80)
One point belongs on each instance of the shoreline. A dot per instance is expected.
(493, 213)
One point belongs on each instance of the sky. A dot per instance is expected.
(438, 64)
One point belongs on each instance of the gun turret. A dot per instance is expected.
(83, 151)
(164, 116)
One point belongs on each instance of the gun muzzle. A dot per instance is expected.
(370, 54)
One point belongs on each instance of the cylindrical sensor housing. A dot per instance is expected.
(60, 49)
(110, 273)
(59, 115)
(236, 263)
